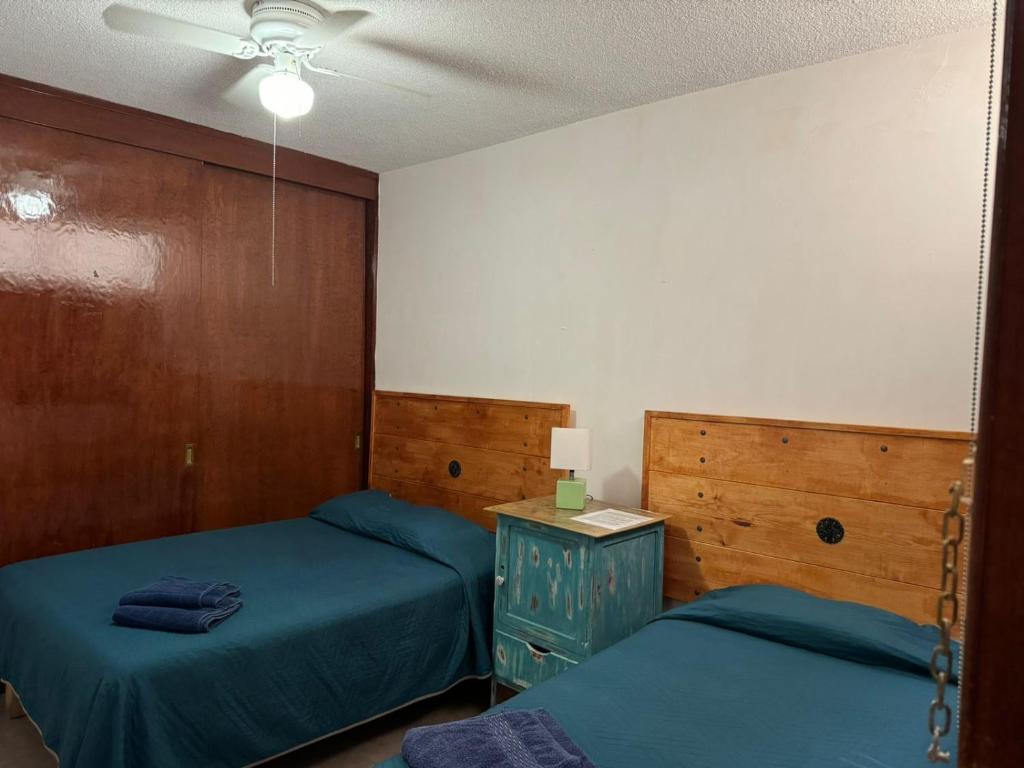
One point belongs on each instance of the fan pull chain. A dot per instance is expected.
(953, 592)
(983, 240)
(273, 210)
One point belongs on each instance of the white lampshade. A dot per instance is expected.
(570, 448)
(286, 94)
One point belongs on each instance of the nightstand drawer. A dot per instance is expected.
(545, 591)
(524, 664)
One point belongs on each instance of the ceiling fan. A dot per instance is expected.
(288, 32)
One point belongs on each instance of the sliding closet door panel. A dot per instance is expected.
(282, 390)
(99, 286)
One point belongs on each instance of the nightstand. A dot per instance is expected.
(565, 590)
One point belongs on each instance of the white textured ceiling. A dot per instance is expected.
(501, 68)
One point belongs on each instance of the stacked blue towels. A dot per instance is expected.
(176, 592)
(174, 604)
(529, 738)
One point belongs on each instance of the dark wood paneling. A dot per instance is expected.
(993, 697)
(99, 289)
(282, 390)
(56, 108)
(113, 305)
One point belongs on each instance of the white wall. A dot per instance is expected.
(799, 246)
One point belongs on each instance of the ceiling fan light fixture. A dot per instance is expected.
(286, 94)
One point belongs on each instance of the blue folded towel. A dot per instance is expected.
(529, 738)
(170, 619)
(176, 592)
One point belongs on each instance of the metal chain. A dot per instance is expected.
(962, 492)
(954, 523)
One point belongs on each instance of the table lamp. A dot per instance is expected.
(570, 449)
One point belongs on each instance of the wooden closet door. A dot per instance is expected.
(99, 287)
(282, 386)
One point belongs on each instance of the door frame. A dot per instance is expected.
(992, 703)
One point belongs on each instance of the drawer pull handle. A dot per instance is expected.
(535, 650)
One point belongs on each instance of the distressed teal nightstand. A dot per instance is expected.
(565, 590)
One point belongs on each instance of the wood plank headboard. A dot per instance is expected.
(752, 499)
(463, 453)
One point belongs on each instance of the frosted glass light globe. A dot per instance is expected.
(286, 94)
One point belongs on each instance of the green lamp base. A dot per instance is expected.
(571, 494)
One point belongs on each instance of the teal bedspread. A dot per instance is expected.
(751, 676)
(338, 627)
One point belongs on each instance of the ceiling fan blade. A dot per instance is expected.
(461, 65)
(245, 92)
(336, 73)
(331, 27)
(134, 21)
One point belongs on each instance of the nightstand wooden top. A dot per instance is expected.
(543, 510)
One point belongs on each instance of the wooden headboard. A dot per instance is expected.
(463, 453)
(753, 500)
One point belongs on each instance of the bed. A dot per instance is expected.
(367, 605)
(770, 522)
(341, 622)
(751, 676)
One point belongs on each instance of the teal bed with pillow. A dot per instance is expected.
(364, 606)
(749, 676)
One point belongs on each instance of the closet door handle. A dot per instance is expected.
(190, 454)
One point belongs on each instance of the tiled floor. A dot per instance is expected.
(21, 747)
